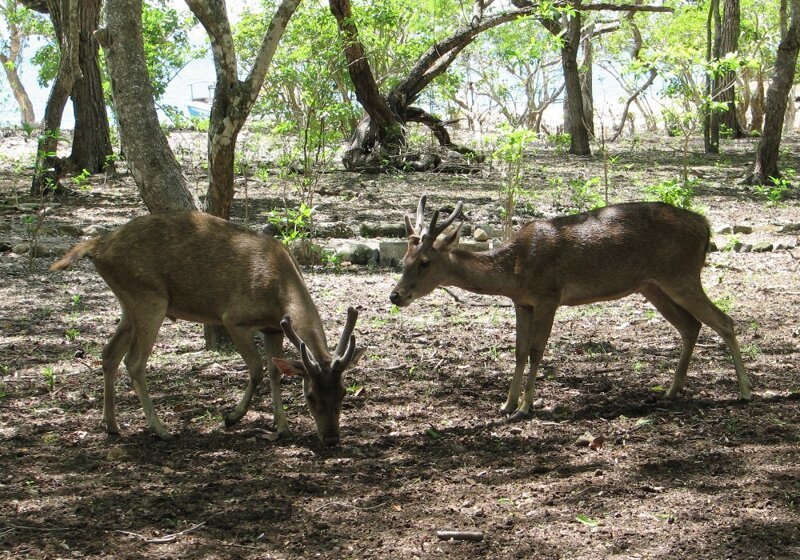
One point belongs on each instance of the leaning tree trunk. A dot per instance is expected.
(9, 63)
(766, 165)
(64, 15)
(150, 159)
(380, 135)
(91, 141)
(587, 89)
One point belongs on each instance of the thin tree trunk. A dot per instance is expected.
(64, 15)
(150, 159)
(9, 63)
(766, 165)
(711, 120)
(91, 142)
(726, 87)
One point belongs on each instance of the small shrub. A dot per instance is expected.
(675, 192)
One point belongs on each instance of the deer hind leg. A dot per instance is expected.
(688, 327)
(243, 340)
(522, 354)
(146, 321)
(113, 352)
(696, 302)
(540, 331)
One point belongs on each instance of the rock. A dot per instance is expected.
(789, 228)
(740, 247)
(69, 230)
(25, 248)
(356, 252)
(382, 230)
(480, 235)
(392, 253)
(21, 248)
(5, 247)
(763, 247)
(95, 230)
(333, 230)
(742, 229)
(5, 226)
(724, 230)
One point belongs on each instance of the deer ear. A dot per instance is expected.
(357, 355)
(452, 237)
(289, 368)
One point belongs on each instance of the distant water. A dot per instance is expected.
(195, 76)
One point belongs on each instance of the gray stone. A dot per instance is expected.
(333, 230)
(392, 252)
(480, 235)
(382, 230)
(5, 246)
(789, 228)
(95, 230)
(69, 230)
(742, 229)
(25, 248)
(724, 230)
(356, 252)
(763, 247)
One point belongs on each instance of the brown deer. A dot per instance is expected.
(193, 266)
(649, 248)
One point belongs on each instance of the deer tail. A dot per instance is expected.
(74, 254)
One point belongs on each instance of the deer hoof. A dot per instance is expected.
(520, 415)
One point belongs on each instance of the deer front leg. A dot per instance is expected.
(244, 343)
(542, 325)
(273, 344)
(521, 353)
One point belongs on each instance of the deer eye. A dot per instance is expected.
(424, 263)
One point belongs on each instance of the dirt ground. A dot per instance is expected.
(424, 447)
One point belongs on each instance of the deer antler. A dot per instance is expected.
(309, 361)
(347, 343)
(433, 231)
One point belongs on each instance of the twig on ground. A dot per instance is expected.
(460, 535)
(346, 505)
(161, 540)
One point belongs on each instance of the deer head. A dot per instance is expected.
(322, 378)
(423, 264)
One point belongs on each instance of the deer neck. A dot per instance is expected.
(484, 272)
(308, 325)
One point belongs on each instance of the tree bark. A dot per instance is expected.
(91, 141)
(766, 164)
(64, 15)
(233, 98)
(150, 159)
(726, 87)
(9, 62)
(711, 120)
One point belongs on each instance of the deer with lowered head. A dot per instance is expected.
(650, 248)
(196, 267)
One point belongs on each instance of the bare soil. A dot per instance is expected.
(424, 447)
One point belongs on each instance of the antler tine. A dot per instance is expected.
(312, 366)
(288, 330)
(341, 361)
(420, 214)
(456, 213)
(352, 316)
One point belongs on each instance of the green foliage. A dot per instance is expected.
(561, 142)
(779, 190)
(166, 42)
(576, 195)
(673, 192)
(49, 376)
(292, 224)
(510, 146)
(81, 180)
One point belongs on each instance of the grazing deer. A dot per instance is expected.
(650, 248)
(193, 266)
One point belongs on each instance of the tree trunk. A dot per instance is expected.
(578, 129)
(64, 15)
(729, 43)
(711, 119)
(587, 90)
(9, 63)
(766, 164)
(233, 98)
(380, 135)
(91, 141)
(150, 159)
(757, 105)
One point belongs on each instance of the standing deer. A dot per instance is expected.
(193, 266)
(650, 248)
